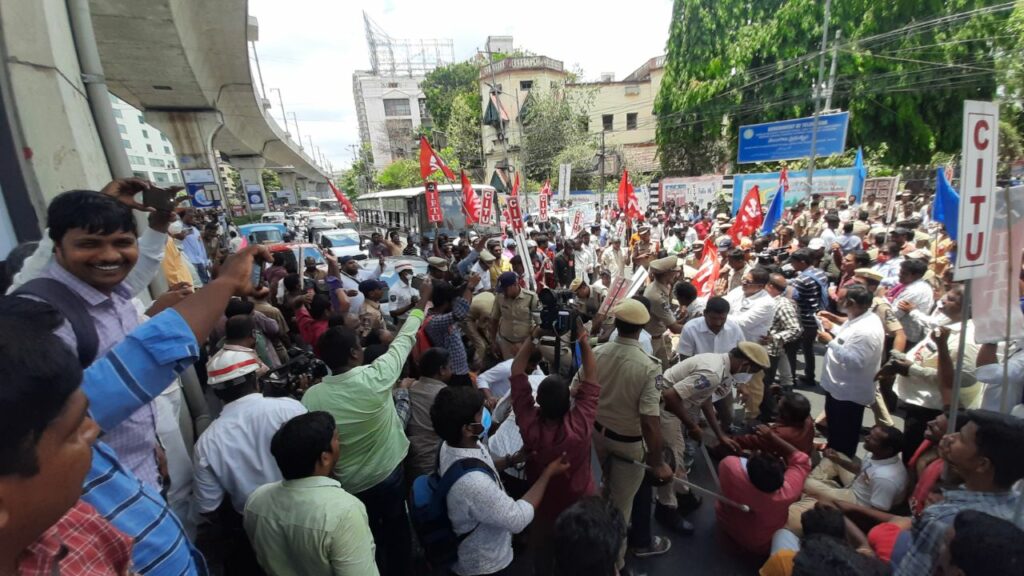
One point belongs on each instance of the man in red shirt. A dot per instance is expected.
(767, 485)
(556, 427)
(702, 227)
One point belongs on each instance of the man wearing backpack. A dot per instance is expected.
(483, 517)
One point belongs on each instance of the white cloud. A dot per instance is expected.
(310, 48)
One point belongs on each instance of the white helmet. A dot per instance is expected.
(229, 366)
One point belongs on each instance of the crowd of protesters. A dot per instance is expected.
(266, 416)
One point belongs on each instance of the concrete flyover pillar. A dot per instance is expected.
(322, 191)
(191, 132)
(301, 187)
(288, 186)
(250, 168)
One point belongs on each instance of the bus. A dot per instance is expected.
(407, 209)
(320, 204)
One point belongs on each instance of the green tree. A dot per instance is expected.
(404, 173)
(271, 181)
(902, 75)
(443, 86)
(553, 130)
(463, 132)
(359, 178)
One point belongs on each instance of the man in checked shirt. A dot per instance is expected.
(782, 336)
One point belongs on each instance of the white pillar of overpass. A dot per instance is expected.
(301, 189)
(191, 132)
(288, 186)
(322, 191)
(250, 168)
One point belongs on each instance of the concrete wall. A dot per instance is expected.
(49, 103)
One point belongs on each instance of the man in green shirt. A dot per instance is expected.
(371, 435)
(307, 524)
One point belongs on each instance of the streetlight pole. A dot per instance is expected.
(284, 116)
(817, 97)
(298, 134)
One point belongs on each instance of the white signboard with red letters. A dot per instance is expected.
(977, 186)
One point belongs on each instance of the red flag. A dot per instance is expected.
(469, 201)
(749, 217)
(430, 162)
(515, 186)
(433, 198)
(707, 274)
(487, 207)
(346, 206)
(627, 198)
(545, 190)
(784, 179)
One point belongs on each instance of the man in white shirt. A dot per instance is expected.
(852, 359)
(586, 258)
(752, 308)
(878, 482)
(232, 456)
(351, 275)
(402, 297)
(614, 257)
(483, 269)
(494, 383)
(713, 332)
(914, 301)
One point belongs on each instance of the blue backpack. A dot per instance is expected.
(428, 509)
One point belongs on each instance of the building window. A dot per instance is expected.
(424, 112)
(607, 121)
(141, 174)
(397, 107)
(121, 128)
(175, 178)
(160, 177)
(136, 160)
(525, 84)
(632, 90)
(127, 145)
(157, 163)
(145, 133)
(117, 113)
(142, 119)
(149, 147)
(631, 121)
(167, 149)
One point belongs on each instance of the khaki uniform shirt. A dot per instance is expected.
(886, 314)
(700, 378)
(629, 380)
(370, 318)
(661, 309)
(514, 317)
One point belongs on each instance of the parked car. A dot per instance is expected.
(340, 242)
(263, 233)
(273, 218)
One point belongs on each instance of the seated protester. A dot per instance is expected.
(371, 433)
(307, 524)
(587, 538)
(370, 317)
(134, 372)
(480, 511)
(450, 308)
(495, 382)
(435, 371)
(556, 427)
(816, 522)
(824, 555)
(765, 483)
(794, 425)
(232, 456)
(688, 388)
(986, 455)
(312, 322)
(878, 481)
(981, 544)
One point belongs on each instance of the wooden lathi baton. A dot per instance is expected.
(691, 486)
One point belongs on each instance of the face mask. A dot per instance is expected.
(485, 423)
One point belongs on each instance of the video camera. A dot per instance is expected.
(557, 310)
(292, 378)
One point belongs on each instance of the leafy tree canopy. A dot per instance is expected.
(553, 132)
(443, 86)
(901, 73)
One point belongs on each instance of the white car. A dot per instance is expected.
(340, 241)
(273, 218)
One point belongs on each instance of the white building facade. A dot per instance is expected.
(149, 151)
(391, 110)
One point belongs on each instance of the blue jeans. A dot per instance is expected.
(389, 523)
(204, 274)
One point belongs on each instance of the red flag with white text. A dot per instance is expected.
(627, 198)
(431, 162)
(346, 205)
(748, 218)
(469, 202)
(487, 207)
(707, 274)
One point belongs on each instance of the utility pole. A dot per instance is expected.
(817, 96)
(284, 116)
(832, 72)
(600, 193)
(298, 134)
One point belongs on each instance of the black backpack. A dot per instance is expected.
(72, 307)
(428, 509)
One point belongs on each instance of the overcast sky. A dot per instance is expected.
(309, 48)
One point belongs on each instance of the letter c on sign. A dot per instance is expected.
(980, 143)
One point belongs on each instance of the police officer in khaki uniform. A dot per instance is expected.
(643, 250)
(663, 320)
(628, 424)
(511, 316)
(687, 390)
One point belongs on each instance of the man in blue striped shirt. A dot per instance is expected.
(810, 291)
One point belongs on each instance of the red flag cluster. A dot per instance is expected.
(346, 205)
(749, 217)
(627, 198)
(469, 202)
